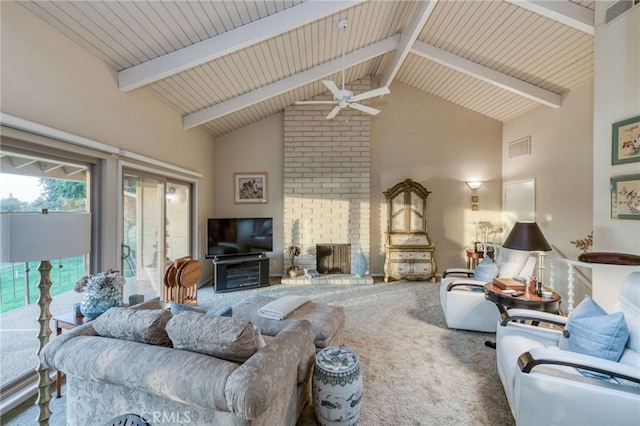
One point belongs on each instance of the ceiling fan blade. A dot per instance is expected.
(334, 112)
(333, 88)
(371, 94)
(364, 108)
(315, 102)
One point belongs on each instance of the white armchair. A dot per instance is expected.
(462, 299)
(542, 383)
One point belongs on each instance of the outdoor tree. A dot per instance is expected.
(12, 204)
(62, 195)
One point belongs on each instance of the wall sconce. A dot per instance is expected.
(474, 184)
(171, 192)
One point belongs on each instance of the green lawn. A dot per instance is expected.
(64, 275)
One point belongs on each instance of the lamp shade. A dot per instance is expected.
(37, 236)
(526, 236)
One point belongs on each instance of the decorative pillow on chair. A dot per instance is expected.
(591, 331)
(510, 262)
(486, 270)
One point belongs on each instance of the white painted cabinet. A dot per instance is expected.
(409, 251)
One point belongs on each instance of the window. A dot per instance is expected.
(29, 182)
(151, 219)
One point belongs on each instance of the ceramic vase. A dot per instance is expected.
(337, 387)
(359, 264)
(92, 306)
(293, 271)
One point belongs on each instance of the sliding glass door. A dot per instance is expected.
(156, 223)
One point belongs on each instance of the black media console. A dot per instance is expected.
(240, 272)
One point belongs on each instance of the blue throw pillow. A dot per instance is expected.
(591, 331)
(486, 270)
(223, 312)
(177, 308)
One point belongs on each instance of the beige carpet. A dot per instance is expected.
(415, 370)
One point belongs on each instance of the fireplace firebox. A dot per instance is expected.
(333, 258)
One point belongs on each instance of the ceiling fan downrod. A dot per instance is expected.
(342, 25)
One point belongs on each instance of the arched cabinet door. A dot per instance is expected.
(409, 251)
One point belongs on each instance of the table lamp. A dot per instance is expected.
(39, 237)
(527, 236)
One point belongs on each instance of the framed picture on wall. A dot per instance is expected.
(625, 197)
(626, 141)
(250, 188)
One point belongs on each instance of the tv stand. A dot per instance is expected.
(240, 272)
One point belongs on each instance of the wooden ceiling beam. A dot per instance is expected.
(228, 42)
(563, 11)
(409, 35)
(487, 74)
(289, 83)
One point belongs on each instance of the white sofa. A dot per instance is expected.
(463, 301)
(216, 373)
(541, 381)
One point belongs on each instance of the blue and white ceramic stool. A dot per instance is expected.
(337, 387)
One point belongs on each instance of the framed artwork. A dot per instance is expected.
(250, 188)
(626, 141)
(625, 197)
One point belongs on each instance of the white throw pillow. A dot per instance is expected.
(511, 262)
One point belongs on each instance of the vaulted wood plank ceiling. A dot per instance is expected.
(225, 64)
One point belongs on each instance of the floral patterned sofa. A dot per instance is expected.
(189, 368)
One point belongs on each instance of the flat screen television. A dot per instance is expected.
(237, 236)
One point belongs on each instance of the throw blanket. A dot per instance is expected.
(280, 308)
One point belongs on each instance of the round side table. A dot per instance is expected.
(337, 387)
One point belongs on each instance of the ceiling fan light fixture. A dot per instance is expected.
(343, 98)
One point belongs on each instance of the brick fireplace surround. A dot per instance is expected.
(326, 183)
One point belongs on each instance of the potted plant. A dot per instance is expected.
(293, 252)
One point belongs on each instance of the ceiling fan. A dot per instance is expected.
(343, 98)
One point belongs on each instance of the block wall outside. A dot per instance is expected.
(327, 167)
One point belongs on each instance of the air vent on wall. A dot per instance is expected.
(520, 148)
(619, 8)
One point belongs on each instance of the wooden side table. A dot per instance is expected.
(526, 301)
(473, 258)
(66, 322)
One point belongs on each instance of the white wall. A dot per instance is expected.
(440, 145)
(254, 148)
(48, 79)
(617, 97)
(417, 136)
(561, 163)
